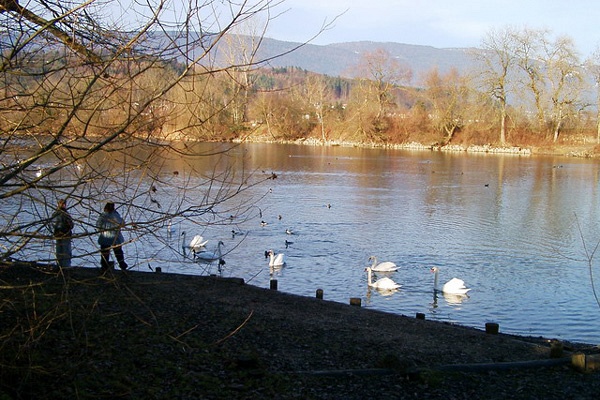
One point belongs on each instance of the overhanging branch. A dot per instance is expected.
(13, 6)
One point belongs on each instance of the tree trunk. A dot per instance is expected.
(557, 131)
(558, 126)
(322, 123)
(503, 126)
(598, 129)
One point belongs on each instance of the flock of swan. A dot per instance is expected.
(201, 254)
(199, 251)
(454, 286)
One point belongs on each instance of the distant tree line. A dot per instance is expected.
(528, 88)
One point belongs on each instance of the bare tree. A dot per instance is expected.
(534, 69)
(498, 63)
(316, 96)
(565, 79)
(87, 111)
(384, 73)
(378, 74)
(448, 95)
(87, 108)
(529, 45)
(240, 49)
(593, 65)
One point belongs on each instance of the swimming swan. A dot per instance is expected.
(384, 283)
(453, 286)
(386, 266)
(209, 256)
(276, 260)
(196, 243)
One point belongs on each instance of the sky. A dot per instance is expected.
(437, 23)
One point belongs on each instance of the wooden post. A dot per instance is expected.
(578, 362)
(320, 294)
(492, 328)
(273, 284)
(158, 269)
(586, 362)
(355, 301)
(556, 349)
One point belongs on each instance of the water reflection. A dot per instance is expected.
(492, 220)
(512, 227)
(450, 298)
(380, 292)
(495, 221)
(455, 299)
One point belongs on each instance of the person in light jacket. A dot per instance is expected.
(109, 226)
(62, 230)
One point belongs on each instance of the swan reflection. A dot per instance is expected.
(455, 299)
(386, 292)
(381, 292)
(452, 299)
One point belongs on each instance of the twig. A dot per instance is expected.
(589, 256)
(235, 330)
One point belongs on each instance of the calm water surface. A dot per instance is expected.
(513, 228)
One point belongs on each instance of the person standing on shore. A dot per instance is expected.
(62, 229)
(109, 225)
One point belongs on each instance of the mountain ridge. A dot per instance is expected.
(337, 59)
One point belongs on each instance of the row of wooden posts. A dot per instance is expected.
(490, 327)
(580, 361)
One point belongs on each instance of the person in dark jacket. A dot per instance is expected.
(109, 226)
(62, 229)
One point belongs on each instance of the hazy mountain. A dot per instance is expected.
(336, 59)
(339, 58)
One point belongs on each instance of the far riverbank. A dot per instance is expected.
(587, 148)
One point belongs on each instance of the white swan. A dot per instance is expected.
(386, 266)
(384, 283)
(196, 244)
(210, 256)
(276, 260)
(453, 286)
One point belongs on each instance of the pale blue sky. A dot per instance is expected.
(438, 23)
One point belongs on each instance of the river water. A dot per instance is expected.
(521, 231)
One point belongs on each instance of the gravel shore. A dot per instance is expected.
(76, 334)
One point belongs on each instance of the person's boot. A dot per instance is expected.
(106, 265)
